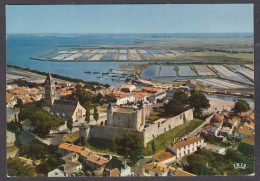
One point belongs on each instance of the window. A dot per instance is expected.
(156, 174)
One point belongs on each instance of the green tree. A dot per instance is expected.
(130, 146)
(70, 123)
(96, 115)
(16, 167)
(110, 97)
(181, 96)
(199, 102)
(87, 106)
(153, 147)
(19, 103)
(241, 106)
(173, 107)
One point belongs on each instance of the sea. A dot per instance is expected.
(21, 47)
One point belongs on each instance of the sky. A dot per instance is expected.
(174, 18)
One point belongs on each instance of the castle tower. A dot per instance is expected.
(109, 114)
(141, 106)
(50, 89)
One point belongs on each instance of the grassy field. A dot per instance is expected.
(176, 133)
(100, 145)
(155, 115)
(71, 137)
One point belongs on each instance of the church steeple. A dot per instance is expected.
(50, 90)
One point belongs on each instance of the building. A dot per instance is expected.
(115, 164)
(11, 115)
(249, 126)
(165, 156)
(10, 138)
(94, 161)
(50, 88)
(126, 88)
(61, 108)
(127, 117)
(157, 169)
(66, 170)
(248, 143)
(215, 148)
(27, 125)
(213, 129)
(123, 98)
(186, 146)
(191, 84)
(240, 133)
(72, 157)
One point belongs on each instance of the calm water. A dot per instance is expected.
(21, 47)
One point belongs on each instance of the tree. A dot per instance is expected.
(173, 108)
(241, 106)
(199, 102)
(110, 97)
(153, 147)
(130, 146)
(96, 115)
(87, 106)
(19, 103)
(181, 96)
(16, 167)
(70, 123)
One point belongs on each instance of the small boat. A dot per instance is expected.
(87, 72)
(96, 72)
(104, 73)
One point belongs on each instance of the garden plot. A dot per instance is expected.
(122, 56)
(167, 71)
(251, 66)
(220, 84)
(73, 57)
(103, 51)
(134, 56)
(227, 74)
(185, 70)
(96, 57)
(142, 51)
(94, 51)
(110, 56)
(132, 51)
(204, 70)
(60, 57)
(122, 51)
(244, 71)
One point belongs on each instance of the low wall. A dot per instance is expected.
(155, 130)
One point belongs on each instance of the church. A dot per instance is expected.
(61, 108)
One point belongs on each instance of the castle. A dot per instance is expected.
(122, 120)
(61, 108)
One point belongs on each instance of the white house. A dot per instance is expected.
(186, 146)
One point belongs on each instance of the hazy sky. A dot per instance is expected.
(130, 18)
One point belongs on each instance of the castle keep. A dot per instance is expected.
(123, 120)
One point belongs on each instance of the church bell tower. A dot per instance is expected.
(50, 88)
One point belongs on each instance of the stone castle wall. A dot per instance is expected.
(155, 130)
(150, 132)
